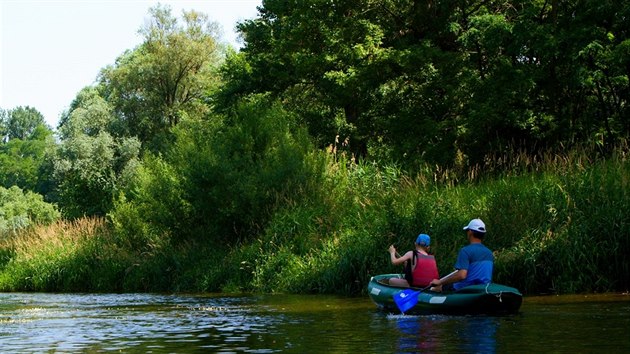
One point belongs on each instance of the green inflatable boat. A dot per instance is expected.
(488, 299)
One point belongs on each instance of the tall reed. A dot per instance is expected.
(557, 224)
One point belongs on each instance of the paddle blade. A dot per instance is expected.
(406, 299)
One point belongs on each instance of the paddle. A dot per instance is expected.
(408, 298)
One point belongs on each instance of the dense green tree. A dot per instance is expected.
(91, 165)
(133, 108)
(26, 145)
(438, 81)
(223, 179)
(314, 56)
(21, 122)
(384, 73)
(89, 114)
(164, 80)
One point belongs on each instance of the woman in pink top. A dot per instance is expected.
(420, 268)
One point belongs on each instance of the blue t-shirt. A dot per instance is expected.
(478, 260)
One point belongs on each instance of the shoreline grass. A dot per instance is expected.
(557, 225)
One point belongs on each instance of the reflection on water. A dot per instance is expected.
(300, 324)
(466, 334)
(417, 333)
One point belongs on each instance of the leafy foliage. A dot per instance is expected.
(25, 149)
(341, 127)
(133, 108)
(154, 86)
(20, 210)
(21, 123)
(424, 82)
(226, 178)
(90, 164)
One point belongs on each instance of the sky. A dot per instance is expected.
(51, 49)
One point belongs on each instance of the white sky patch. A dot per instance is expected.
(51, 49)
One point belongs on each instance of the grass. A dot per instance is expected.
(557, 224)
(54, 257)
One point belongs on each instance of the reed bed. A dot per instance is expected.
(78, 255)
(556, 222)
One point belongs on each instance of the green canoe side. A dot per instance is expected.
(491, 299)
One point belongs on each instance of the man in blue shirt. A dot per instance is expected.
(474, 262)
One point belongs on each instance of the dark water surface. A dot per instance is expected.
(302, 324)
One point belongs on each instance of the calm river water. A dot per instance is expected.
(302, 324)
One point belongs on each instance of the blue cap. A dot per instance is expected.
(423, 240)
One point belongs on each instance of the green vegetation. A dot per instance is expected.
(568, 214)
(27, 143)
(20, 210)
(293, 164)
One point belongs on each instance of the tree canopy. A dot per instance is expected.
(446, 83)
(429, 81)
(20, 123)
(133, 109)
(164, 80)
(25, 148)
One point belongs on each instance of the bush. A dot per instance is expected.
(225, 178)
(19, 210)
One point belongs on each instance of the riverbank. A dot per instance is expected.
(556, 227)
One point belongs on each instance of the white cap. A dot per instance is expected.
(476, 225)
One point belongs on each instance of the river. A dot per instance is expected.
(142, 323)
